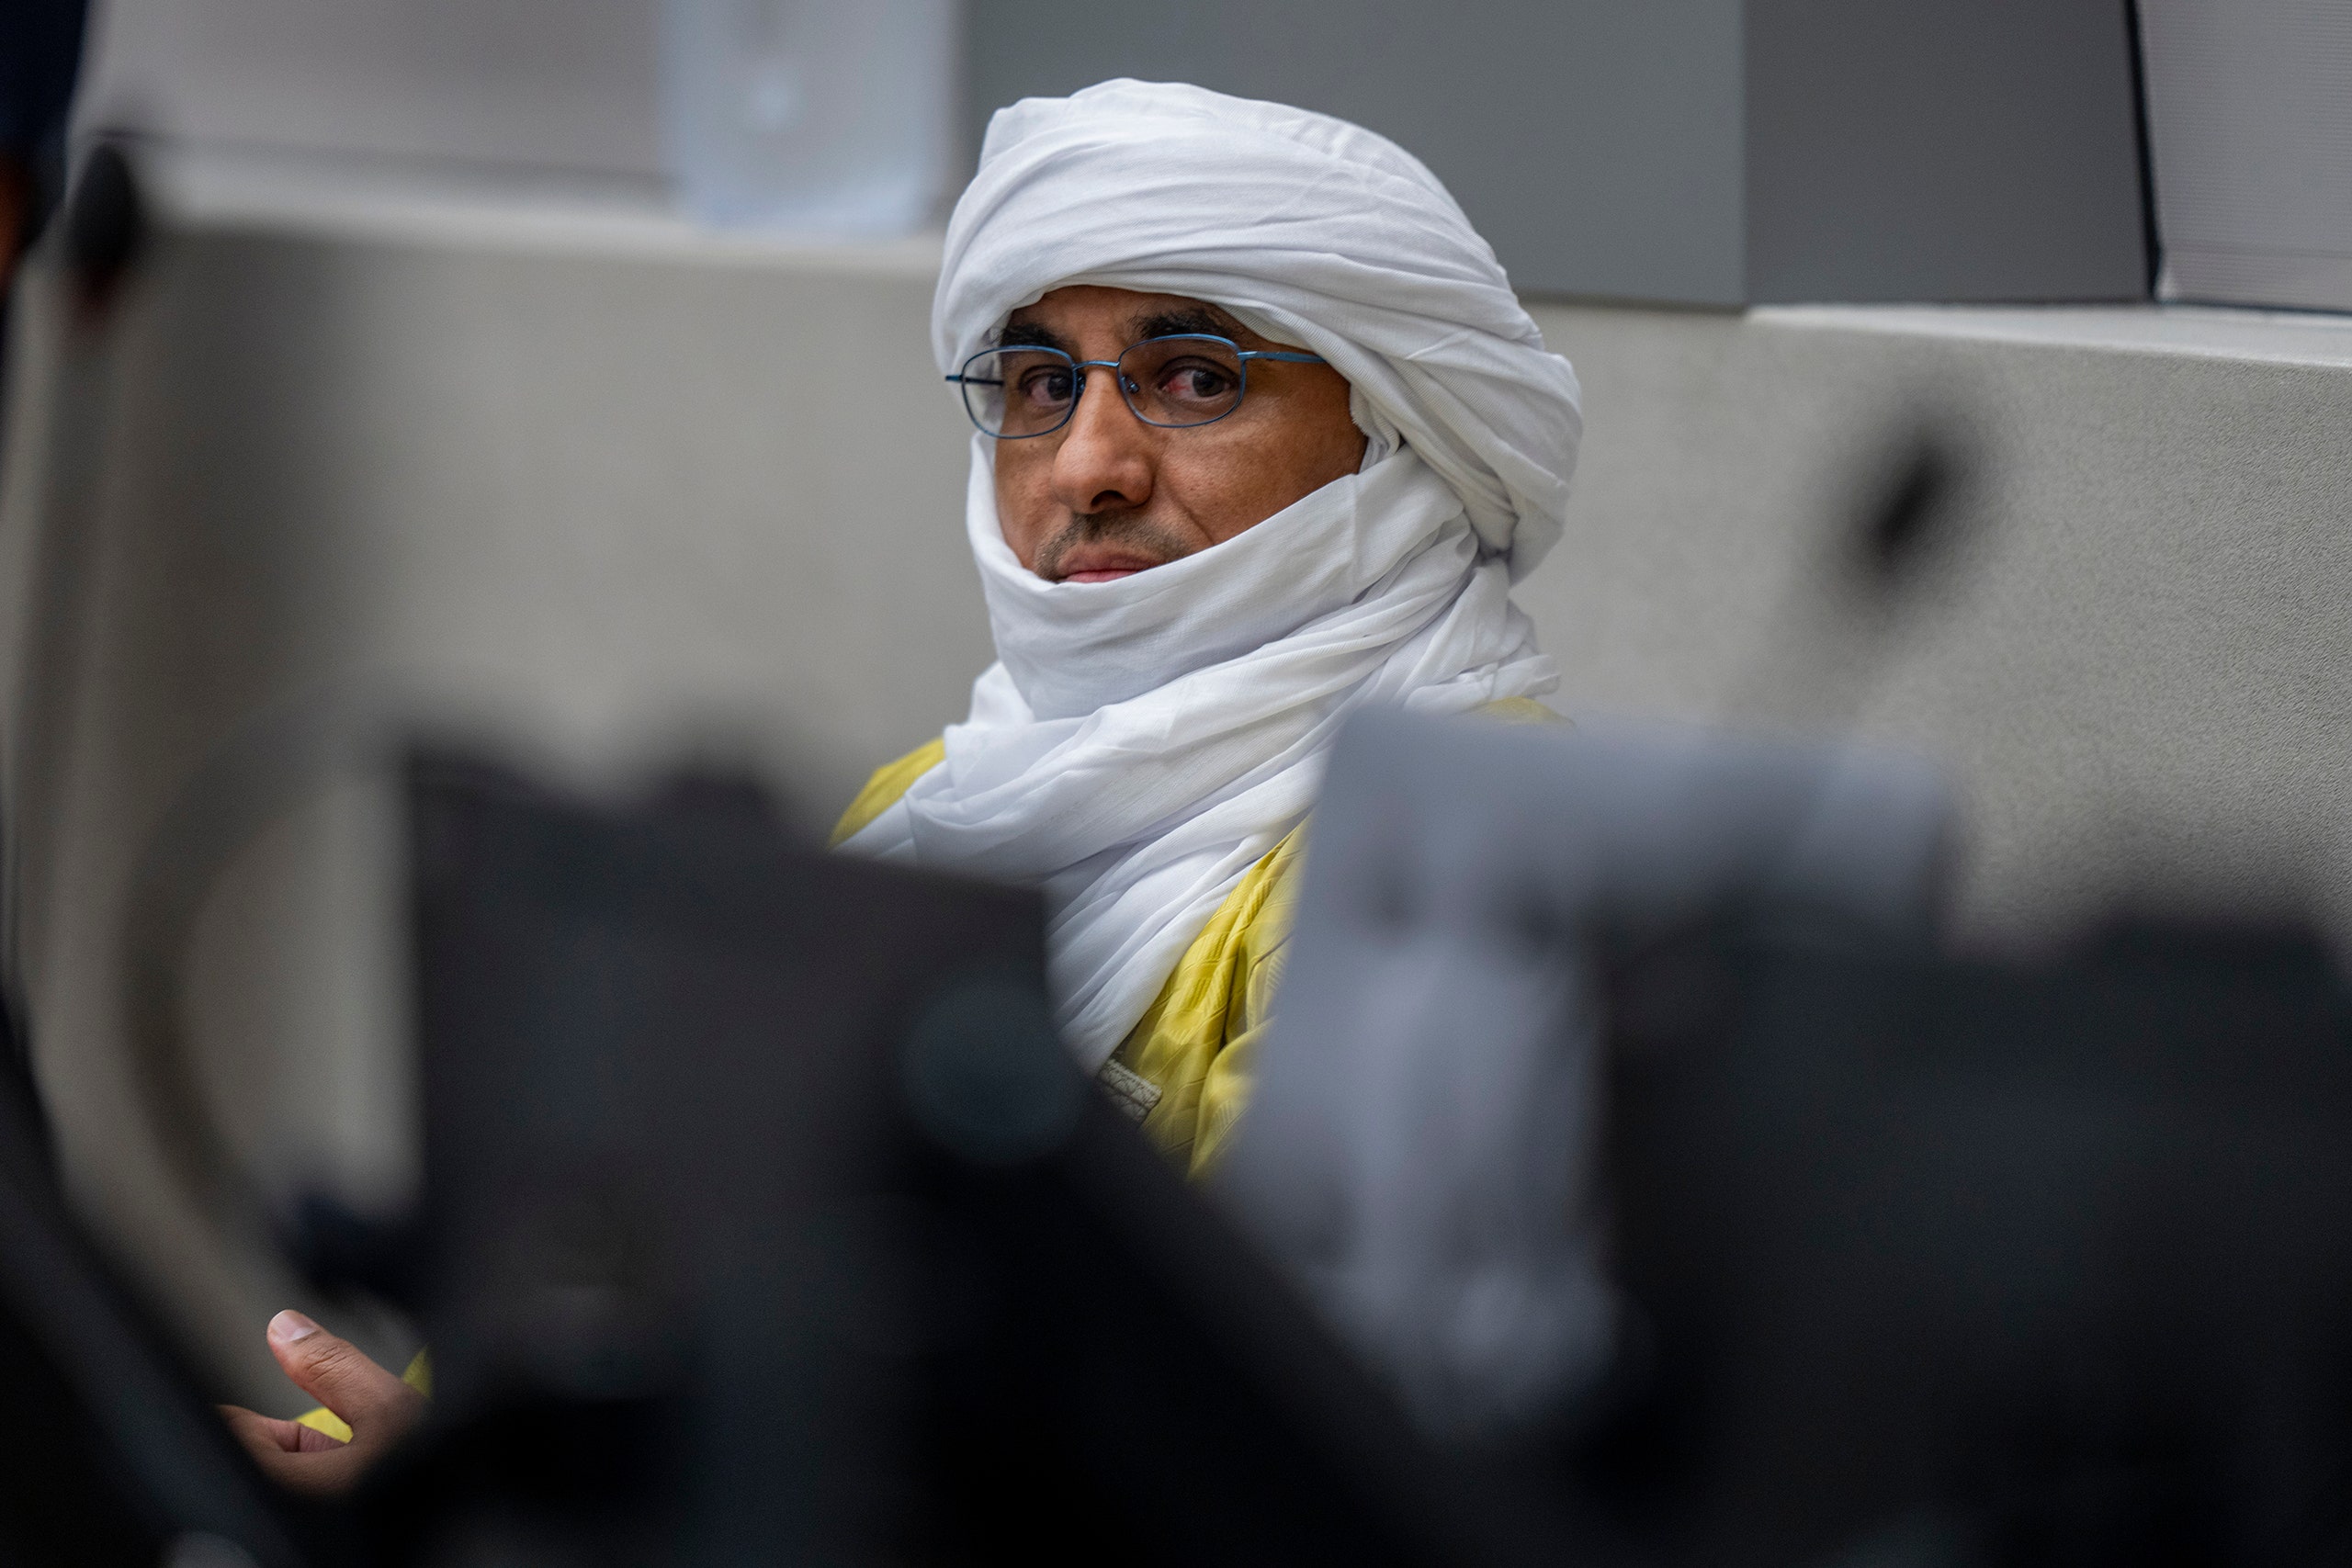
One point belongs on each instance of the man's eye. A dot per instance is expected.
(1196, 383)
(1043, 386)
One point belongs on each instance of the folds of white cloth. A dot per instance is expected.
(1135, 766)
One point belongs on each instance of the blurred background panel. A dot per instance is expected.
(797, 114)
(1696, 151)
(1905, 150)
(555, 88)
(1692, 152)
(2250, 122)
(1596, 146)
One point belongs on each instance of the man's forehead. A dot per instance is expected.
(1064, 310)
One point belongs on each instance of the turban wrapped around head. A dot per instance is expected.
(1310, 230)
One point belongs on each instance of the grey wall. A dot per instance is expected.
(1698, 152)
(561, 88)
(1597, 146)
(2138, 670)
(2250, 121)
(1938, 150)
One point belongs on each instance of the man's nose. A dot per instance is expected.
(1104, 462)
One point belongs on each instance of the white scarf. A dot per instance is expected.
(1141, 742)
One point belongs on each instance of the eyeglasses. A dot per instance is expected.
(1013, 393)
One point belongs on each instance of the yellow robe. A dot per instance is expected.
(1185, 1069)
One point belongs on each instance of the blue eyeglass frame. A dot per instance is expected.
(1081, 366)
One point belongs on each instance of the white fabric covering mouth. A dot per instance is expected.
(1141, 742)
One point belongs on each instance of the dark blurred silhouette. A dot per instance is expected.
(109, 1454)
(40, 56)
(1946, 1262)
(766, 1218)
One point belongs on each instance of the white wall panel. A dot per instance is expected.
(565, 88)
(2250, 130)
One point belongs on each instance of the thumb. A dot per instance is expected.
(333, 1372)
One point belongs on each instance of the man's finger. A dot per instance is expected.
(314, 1474)
(308, 1439)
(336, 1374)
(265, 1435)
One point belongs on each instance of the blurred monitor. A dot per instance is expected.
(766, 1217)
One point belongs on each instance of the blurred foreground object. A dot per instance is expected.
(1623, 1109)
(1421, 1146)
(2250, 140)
(810, 117)
(109, 1457)
(765, 1219)
(1965, 1262)
(40, 53)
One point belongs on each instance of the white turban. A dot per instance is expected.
(1141, 742)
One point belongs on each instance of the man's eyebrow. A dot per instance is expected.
(1179, 322)
(1021, 334)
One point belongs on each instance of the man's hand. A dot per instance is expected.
(376, 1405)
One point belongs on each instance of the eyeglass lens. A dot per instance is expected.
(1166, 380)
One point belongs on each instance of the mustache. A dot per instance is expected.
(1130, 529)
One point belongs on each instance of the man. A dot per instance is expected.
(1197, 567)
(1263, 437)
